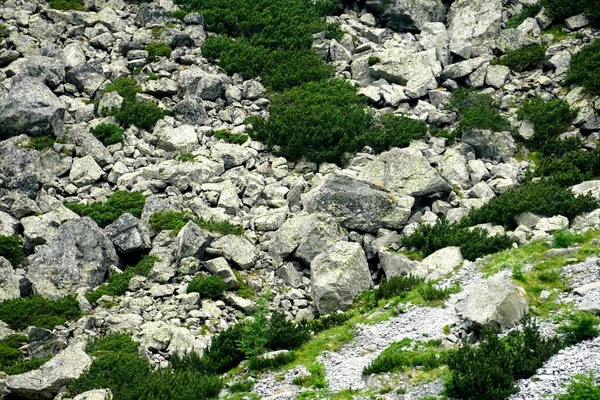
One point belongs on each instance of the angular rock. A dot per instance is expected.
(182, 139)
(96, 394)
(396, 264)
(358, 205)
(78, 257)
(129, 234)
(489, 145)
(192, 241)
(87, 78)
(41, 229)
(497, 75)
(8, 224)
(439, 263)
(220, 266)
(237, 249)
(87, 144)
(338, 275)
(473, 23)
(156, 335)
(407, 15)
(9, 281)
(588, 187)
(464, 68)
(85, 171)
(552, 224)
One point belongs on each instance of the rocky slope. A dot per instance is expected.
(315, 236)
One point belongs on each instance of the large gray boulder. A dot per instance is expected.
(129, 234)
(440, 263)
(473, 23)
(305, 236)
(79, 256)
(192, 241)
(50, 70)
(41, 229)
(408, 15)
(87, 78)
(396, 264)
(359, 205)
(588, 187)
(20, 167)
(31, 108)
(220, 266)
(85, 171)
(496, 146)
(404, 172)
(338, 275)
(237, 249)
(45, 382)
(9, 281)
(497, 302)
(88, 145)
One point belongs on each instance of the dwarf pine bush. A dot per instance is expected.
(207, 286)
(525, 58)
(108, 133)
(37, 311)
(119, 203)
(11, 249)
(584, 69)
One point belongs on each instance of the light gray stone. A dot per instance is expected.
(489, 145)
(129, 234)
(237, 249)
(85, 171)
(220, 266)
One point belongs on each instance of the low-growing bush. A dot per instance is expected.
(12, 359)
(187, 157)
(262, 363)
(397, 358)
(316, 379)
(284, 334)
(41, 142)
(234, 138)
(583, 326)
(527, 12)
(565, 238)
(430, 292)
(476, 111)
(115, 342)
(175, 220)
(473, 243)
(393, 131)
(3, 32)
(11, 249)
(560, 10)
(525, 58)
(570, 168)
(126, 87)
(242, 386)
(36, 311)
(156, 50)
(118, 284)
(326, 322)
(119, 203)
(76, 5)
(464, 99)
(584, 69)
(582, 387)
(396, 286)
(541, 197)
(108, 133)
(210, 287)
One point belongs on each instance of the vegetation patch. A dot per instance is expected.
(476, 111)
(582, 387)
(527, 12)
(573, 167)
(187, 157)
(118, 284)
(12, 359)
(11, 249)
(394, 131)
(175, 220)
(116, 342)
(36, 311)
(119, 203)
(560, 10)
(41, 142)
(234, 138)
(400, 356)
(76, 5)
(525, 58)
(275, 362)
(582, 326)
(585, 68)
(156, 50)
(108, 133)
(211, 286)
(315, 379)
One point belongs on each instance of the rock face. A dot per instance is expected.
(588, 187)
(31, 108)
(359, 205)
(78, 257)
(338, 275)
(45, 382)
(408, 15)
(497, 302)
(20, 168)
(9, 281)
(473, 23)
(129, 234)
(498, 146)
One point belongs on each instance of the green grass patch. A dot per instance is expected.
(581, 387)
(315, 379)
(234, 138)
(156, 50)
(525, 58)
(11, 248)
(36, 311)
(175, 220)
(108, 133)
(582, 326)
(398, 357)
(41, 142)
(210, 287)
(187, 157)
(119, 203)
(270, 363)
(65, 5)
(112, 342)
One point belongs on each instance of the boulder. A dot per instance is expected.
(463, 68)
(79, 256)
(88, 77)
(473, 23)
(404, 172)
(31, 108)
(129, 234)
(85, 171)
(20, 167)
(155, 335)
(489, 145)
(8, 224)
(41, 229)
(439, 263)
(305, 236)
(497, 301)
(552, 224)
(220, 266)
(182, 139)
(46, 381)
(50, 70)
(96, 394)
(88, 145)
(192, 241)
(588, 187)
(9, 281)
(407, 15)
(237, 249)
(357, 204)
(396, 264)
(338, 275)
(497, 75)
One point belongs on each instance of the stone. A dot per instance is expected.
(453, 168)
(473, 23)
(73, 56)
(497, 302)
(357, 204)
(253, 90)
(87, 144)
(79, 257)
(8, 224)
(577, 22)
(9, 281)
(587, 288)
(88, 77)
(290, 275)
(96, 394)
(30, 108)
(305, 236)
(190, 112)
(240, 303)
(552, 224)
(338, 275)
(182, 139)
(464, 68)
(192, 241)
(497, 75)
(396, 264)
(219, 266)
(440, 263)
(270, 221)
(155, 335)
(42, 229)
(183, 342)
(588, 187)
(85, 171)
(129, 234)
(489, 145)
(435, 35)
(21, 168)
(404, 172)
(46, 381)
(237, 249)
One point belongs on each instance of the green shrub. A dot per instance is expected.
(585, 68)
(234, 138)
(549, 276)
(430, 292)
(186, 385)
(210, 287)
(175, 220)
(108, 133)
(119, 203)
(560, 10)
(541, 197)
(316, 379)
(582, 387)
(482, 118)
(473, 243)
(570, 168)
(396, 286)
(565, 238)
(41, 142)
(373, 60)
(156, 50)
(489, 371)
(583, 326)
(22, 366)
(397, 358)
(284, 334)
(11, 249)
(332, 117)
(464, 99)
(525, 58)
(394, 131)
(118, 284)
(245, 385)
(126, 87)
(76, 5)
(36, 311)
(12, 359)
(326, 322)
(260, 363)
(187, 157)
(116, 342)
(3, 32)
(527, 12)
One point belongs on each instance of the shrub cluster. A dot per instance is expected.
(156, 50)
(582, 387)
(473, 242)
(175, 220)
(316, 379)
(36, 311)
(41, 142)
(118, 284)
(108, 133)
(262, 363)
(570, 168)
(234, 138)
(12, 359)
(525, 58)
(396, 286)
(76, 5)
(489, 371)
(207, 286)
(476, 111)
(393, 131)
(585, 68)
(527, 12)
(583, 326)
(143, 114)
(560, 9)
(566, 238)
(116, 342)
(540, 197)
(11, 249)
(119, 203)
(326, 322)
(397, 357)
(3, 32)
